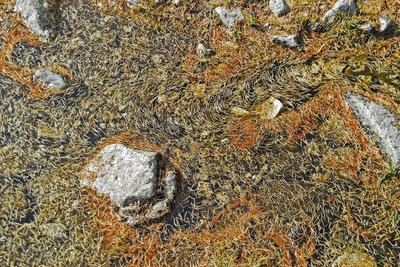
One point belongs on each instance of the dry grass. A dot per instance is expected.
(298, 190)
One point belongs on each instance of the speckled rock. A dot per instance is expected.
(134, 180)
(279, 7)
(381, 124)
(347, 7)
(38, 17)
(50, 79)
(290, 41)
(229, 17)
(125, 174)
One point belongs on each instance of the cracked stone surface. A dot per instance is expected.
(380, 123)
(132, 179)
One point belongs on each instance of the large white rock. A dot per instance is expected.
(38, 17)
(124, 174)
(347, 7)
(380, 123)
(229, 17)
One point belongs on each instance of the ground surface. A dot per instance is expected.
(306, 188)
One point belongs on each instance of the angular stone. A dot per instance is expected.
(381, 124)
(290, 41)
(279, 7)
(347, 7)
(38, 17)
(229, 17)
(124, 174)
(50, 79)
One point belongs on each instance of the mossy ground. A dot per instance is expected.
(302, 189)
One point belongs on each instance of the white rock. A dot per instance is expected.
(124, 174)
(269, 109)
(177, 2)
(385, 23)
(38, 17)
(347, 7)
(50, 79)
(279, 7)
(290, 41)
(201, 50)
(380, 124)
(229, 17)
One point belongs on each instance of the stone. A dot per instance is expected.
(290, 41)
(380, 123)
(125, 174)
(134, 180)
(269, 109)
(38, 17)
(279, 7)
(347, 7)
(229, 17)
(202, 51)
(177, 2)
(132, 3)
(50, 79)
(385, 24)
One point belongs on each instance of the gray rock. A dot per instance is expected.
(385, 24)
(229, 17)
(50, 79)
(347, 7)
(125, 174)
(132, 3)
(290, 41)
(38, 17)
(279, 7)
(379, 122)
